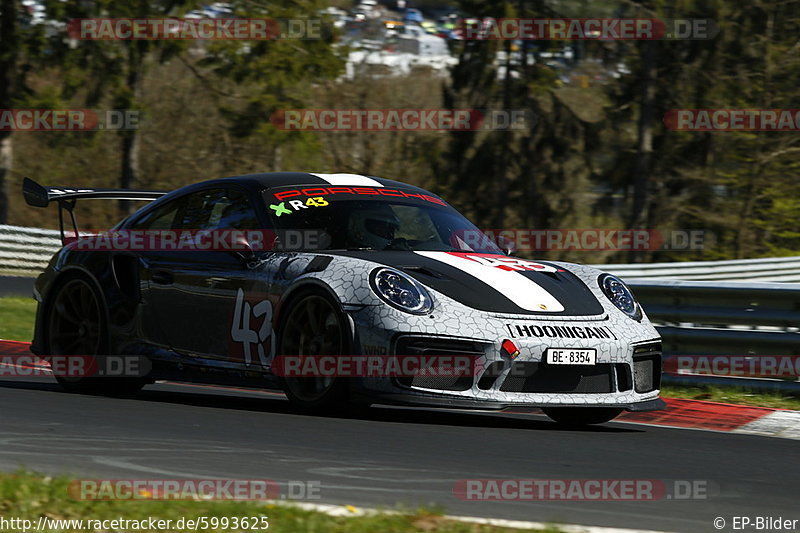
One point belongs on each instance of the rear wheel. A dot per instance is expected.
(314, 325)
(77, 327)
(581, 416)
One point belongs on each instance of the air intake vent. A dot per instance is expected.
(647, 368)
(540, 377)
(432, 346)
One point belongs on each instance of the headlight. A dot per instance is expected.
(401, 291)
(620, 295)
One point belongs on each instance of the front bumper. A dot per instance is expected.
(626, 375)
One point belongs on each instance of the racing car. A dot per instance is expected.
(253, 270)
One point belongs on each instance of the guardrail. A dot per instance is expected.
(771, 269)
(27, 251)
(748, 324)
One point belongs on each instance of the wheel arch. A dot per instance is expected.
(65, 275)
(311, 286)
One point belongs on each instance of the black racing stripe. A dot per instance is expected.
(576, 298)
(567, 288)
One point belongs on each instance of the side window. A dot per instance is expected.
(161, 218)
(219, 209)
(415, 223)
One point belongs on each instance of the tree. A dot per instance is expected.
(733, 185)
(22, 46)
(8, 83)
(530, 178)
(115, 68)
(279, 74)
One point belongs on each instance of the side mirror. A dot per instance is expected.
(508, 246)
(243, 250)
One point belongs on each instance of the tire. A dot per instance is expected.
(77, 326)
(581, 416)
(314, 325)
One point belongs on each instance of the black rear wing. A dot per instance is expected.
(40, 196)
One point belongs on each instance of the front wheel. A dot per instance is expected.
(581, 416)
(314, 326)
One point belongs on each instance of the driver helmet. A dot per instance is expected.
(373, 226)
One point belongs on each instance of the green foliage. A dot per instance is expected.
(281, 73)
(579, 165)
(208, 110)
(16, 318)
(733, 395)
(732, 185)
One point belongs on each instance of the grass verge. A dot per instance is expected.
(28, 496)
(731, 395)
(16, 318)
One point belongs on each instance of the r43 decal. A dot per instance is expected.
(317, 201)
(241, 332)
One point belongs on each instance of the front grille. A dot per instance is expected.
(647, 368)
(643, 375)
(541, 377)
(452, 383)
(431, 346)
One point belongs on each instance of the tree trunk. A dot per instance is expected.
(6, 161)
(8, 60)
(501, 192)
(130, 167)
(129, 172)
(644, 148)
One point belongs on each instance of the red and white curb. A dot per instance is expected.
(724, 417)
(785, 424)
(680, 413)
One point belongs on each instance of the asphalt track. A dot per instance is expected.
(16, 286)
(384, 456)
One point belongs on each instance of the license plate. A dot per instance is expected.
(571, 356)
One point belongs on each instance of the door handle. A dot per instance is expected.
(162, 277)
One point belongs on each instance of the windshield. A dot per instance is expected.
(366, 221)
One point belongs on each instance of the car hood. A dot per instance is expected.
(493, 283)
